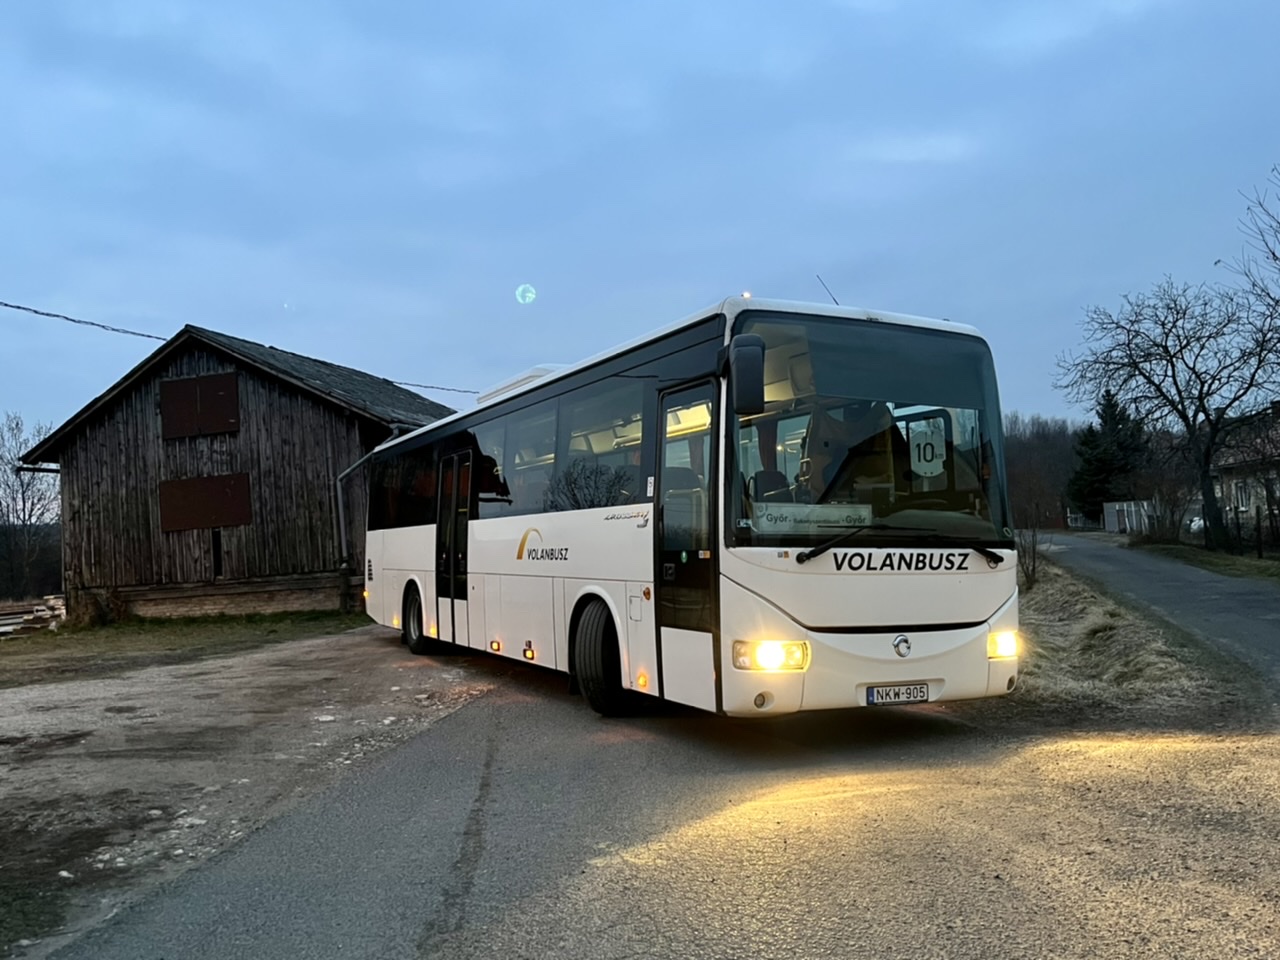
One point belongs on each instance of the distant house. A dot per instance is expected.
(204, 480)
(1247, 471)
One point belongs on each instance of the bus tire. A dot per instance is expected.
(597, 661)
(411, 631)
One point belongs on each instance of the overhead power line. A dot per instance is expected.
(152, 336)
(83, 323)
(431, 386)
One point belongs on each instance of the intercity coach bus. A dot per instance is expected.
(765, 508)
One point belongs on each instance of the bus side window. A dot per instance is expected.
(530, 456)
(492, 490)
(598, 461)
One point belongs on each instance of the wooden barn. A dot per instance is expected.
(206, 480)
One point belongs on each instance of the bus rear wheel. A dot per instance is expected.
(597, 662)
(411, 631)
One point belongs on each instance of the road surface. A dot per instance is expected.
(1240, 615)
(523, 825)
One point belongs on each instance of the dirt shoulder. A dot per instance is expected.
(68, 654)
(109, 784)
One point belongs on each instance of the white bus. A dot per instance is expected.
(765, 508)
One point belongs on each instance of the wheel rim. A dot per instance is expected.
(413, 617)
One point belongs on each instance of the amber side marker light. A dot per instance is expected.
(495, 646)
(642, 681)
(528, 651)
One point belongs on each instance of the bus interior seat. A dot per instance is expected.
(770, 485)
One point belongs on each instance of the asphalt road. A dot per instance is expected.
(1240, 615)
(525, 826)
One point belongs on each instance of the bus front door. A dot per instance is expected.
(451, 548)
(686, 558)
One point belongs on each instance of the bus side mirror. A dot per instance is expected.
(746, 374)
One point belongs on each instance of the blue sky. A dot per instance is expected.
(370, 182)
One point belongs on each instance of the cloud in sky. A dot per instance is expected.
(394, 171)
(1031, 28)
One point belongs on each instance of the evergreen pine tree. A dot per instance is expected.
(1111, 454)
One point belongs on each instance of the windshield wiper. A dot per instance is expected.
(985, 552)
(805, 556)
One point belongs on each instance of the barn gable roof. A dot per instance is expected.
(362, 393)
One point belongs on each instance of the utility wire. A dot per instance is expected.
(431, 386)
(152, 336)
(83, 323)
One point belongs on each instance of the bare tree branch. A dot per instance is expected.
(29, 505)
(1186, 360)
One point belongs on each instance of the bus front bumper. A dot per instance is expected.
(884, 668)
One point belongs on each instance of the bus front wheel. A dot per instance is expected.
(411, 623)
(597, 661)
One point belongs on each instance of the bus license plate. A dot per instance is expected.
(902, 693)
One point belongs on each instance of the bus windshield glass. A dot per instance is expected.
(868, 424)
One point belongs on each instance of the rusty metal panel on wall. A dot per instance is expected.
(205, 502)
(200, 406)
(219, 410)
(179, 408)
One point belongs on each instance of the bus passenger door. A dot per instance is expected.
(451, 548)
(685, 577)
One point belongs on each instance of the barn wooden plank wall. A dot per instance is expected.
(291, 446)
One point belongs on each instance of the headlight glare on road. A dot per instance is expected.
(771, 656)
(1002, 645)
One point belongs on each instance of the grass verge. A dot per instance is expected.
(1089, 660)
(1224, 563)
(69, 654)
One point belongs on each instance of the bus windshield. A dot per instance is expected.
(868, 424)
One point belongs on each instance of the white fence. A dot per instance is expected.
(1129, 516)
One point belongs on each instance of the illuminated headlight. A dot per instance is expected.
(771, 655)
(1002, 645)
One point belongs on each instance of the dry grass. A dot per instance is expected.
(1224, 563)
(71, 654)
(1087, 656)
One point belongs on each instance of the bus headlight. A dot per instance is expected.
(771, 655)
(1002, 645)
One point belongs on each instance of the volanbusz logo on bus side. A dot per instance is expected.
(903, 561)
(526, 552)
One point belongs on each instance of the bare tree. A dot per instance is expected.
(1260, 265)
(1260, 269)
(28, 505)
(1039, 457)
(1169, 478)
(1185, 360)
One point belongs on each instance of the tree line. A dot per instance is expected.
(30, 541)
(1057, 468)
